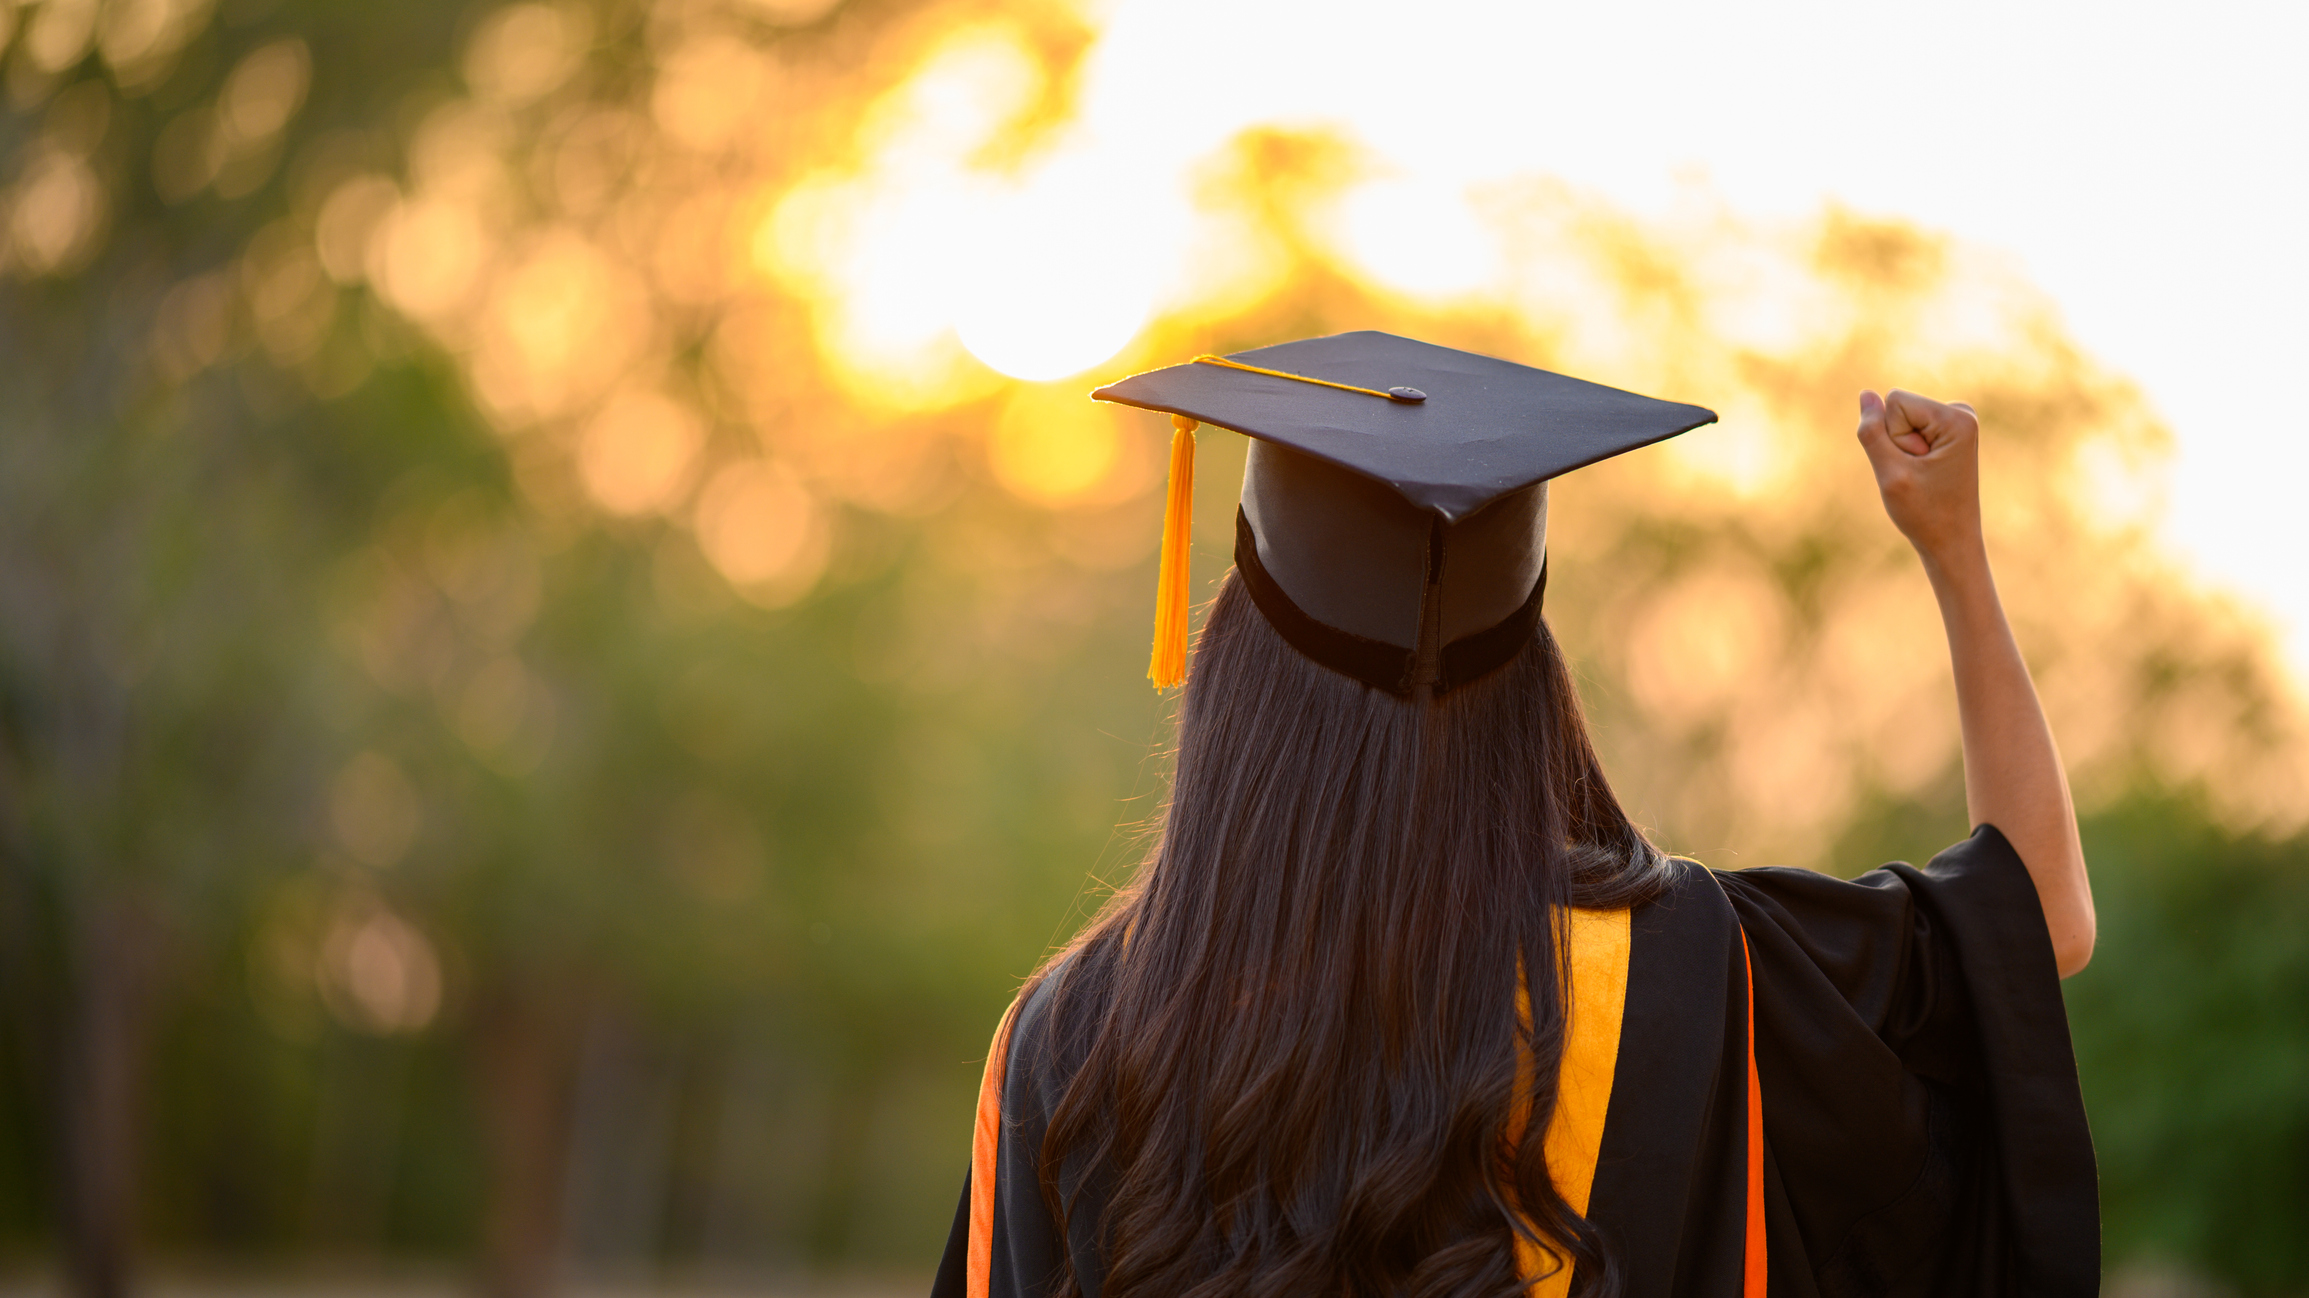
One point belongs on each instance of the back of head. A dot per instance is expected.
(1294, 1038)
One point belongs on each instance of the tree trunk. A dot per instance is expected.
(99, 1076)
(526, 1054)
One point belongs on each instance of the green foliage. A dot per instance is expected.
(2192, 1036)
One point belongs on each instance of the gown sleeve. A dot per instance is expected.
(1923, 1126)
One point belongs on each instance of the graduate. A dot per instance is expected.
(1401, 1003)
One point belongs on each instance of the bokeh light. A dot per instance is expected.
(571, 629)
(988, 214)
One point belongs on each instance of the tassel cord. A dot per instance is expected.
(1167, 666)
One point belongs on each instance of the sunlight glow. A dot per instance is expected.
(1052, 446)
(1421, 238)
(1065, 280)
(763, 288)
(1742, 454)
(1041, 275)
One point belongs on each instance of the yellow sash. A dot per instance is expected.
(1598, 942)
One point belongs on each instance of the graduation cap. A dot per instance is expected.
(1393, 524)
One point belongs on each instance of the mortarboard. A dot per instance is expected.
(1393, 524)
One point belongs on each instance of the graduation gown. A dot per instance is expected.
(1903, 1117)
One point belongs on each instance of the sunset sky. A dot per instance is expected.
(2146, 167)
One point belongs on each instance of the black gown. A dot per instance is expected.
(1923, 1130)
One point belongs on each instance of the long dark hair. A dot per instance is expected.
(1294, 1036)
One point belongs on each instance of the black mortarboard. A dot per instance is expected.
(1394, 512)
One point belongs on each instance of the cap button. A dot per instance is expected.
(1409, 396)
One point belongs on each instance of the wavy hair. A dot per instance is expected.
(1294, 1036)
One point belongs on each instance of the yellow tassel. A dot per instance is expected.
(1169, 664)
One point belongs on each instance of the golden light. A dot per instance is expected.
(881, 276)
(1053, 446)
(524, 50)
(140, 38)
(1742, 455)
(1420, 238)
(711, 88)
(59, 32)
(790, 13)
(1879, 665)
(1788, 770)
(1065, 275)
(974, 82)
(563, 322)
(264, 90)
(637, 454)
(2114, 485)
(1706, 642)
(1039, 275)
(902, 264)
(56, 212)
(427, 256)
(762, 530)
(348, 218)
(459, 152)
(879, 255)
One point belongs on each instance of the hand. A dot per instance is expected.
(1927, 461)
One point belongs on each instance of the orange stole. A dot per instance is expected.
(985, 1143)
(1755, 1274)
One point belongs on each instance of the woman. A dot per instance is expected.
(1402, 1003)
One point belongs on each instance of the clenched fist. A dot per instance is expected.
(1927, 460)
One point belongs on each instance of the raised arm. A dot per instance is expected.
(1927, 460)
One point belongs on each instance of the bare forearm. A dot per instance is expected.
(2013, 777)
(1926, 455)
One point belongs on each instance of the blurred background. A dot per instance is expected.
(568, 635)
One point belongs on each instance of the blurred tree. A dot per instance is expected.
(198, 467)
(2194, 1046)
(540, 723)
(296, 684)
(158, 564)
